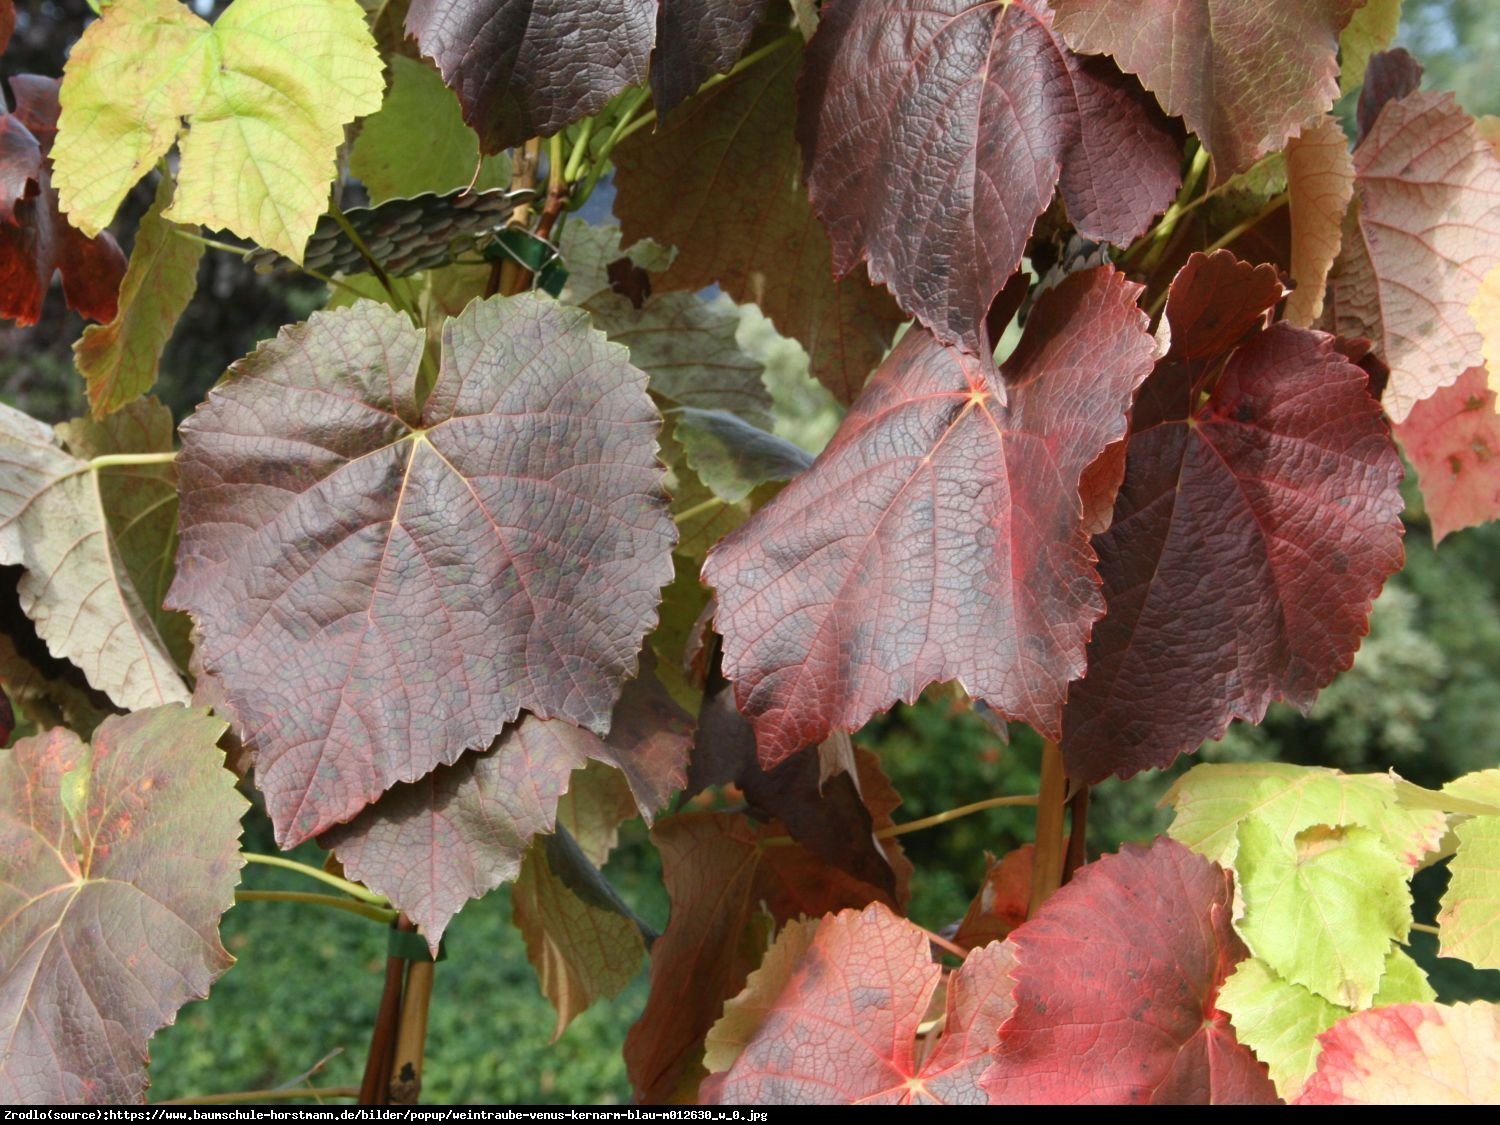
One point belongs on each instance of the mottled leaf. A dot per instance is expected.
(1243, 77)
(940, 535)
(725, 885)
(432, 570)
(1453, 441)
(582, 950)
(1258, 518)
(80, 584)
(721, 180)
(1424, 231)
(432, 845)
(1469, 921)
(852, 1004)
(266, 93)
(1212, 801)
(36, 241)
(1324, 908)
(1320, 183)
(418, 142)
(119, 360)
(1410, 1054)
(1117, 985)
(935, 134)
(121, 856)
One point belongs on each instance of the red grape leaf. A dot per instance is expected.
(7, 21)
(381, 587)
(35, 240)
(935, 134)
(721, 180)
(1410, 1054)
(1416, 247)
(940, 535)
(841, 1026)
(1258, 519)
(1003, 900)
(1320, 183)
(526, 67)
(1243, 77)
(432, 845)
(120, 859)
(1390, 76)
(696, 39)
(723, 880)
(1117, 979)
(1453, 441)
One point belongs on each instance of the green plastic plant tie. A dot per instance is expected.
(408, 945)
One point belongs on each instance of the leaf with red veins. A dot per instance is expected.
(120, 859)
(940, 535)
(1453, 440)
(1117, 981)
(1244, 77)
(935, 134)
(1320, 183)
(721, 179)
(1424, 231)
(727, 884)
(696, 39)
(852, 1003)
(432, 845)
(1410, 1054)
(381, 587)
(1258, 519)
(36, 241)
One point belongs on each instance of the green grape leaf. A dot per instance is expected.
(120, 859)
(1323, 908)
(418, 142)
(1213, 800)
(1469, 918)
(119, 360)
(1372, 28)
(266, 93)
(82, 566)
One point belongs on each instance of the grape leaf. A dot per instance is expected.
(1281, 1021)
(121, 856)
(1425, 230)
(266, 93)
(119, 360)
(1213, 800)
(582, 950)
(940, 535)
(696, 39)
(1392, 75)
(1320, 183)
(1410, 1054)
(1117, 984)
(935, 133)
(7, 22)
(721, 180)
(418, 142)
(80, 583)
(50, 692)
(732, 457)
(1003, 901)
(1485, 309)
(852, 1003)
(1370, 30)
(35, 240)
(1469, 921)
(433, 844)
(1323, 908)
(1258, 519)
(745, 1013)
(685, 344)
(1453, 441)
(502, 546)
(725, 884)
(1243, 78)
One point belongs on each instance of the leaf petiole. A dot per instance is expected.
(384, 915)
(353, 890)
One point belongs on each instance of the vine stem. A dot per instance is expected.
(374, 263)
(522, 178)
(1424, 928)
(698, 509)
(375, 1088)
(348, 905)
(263, 1096)
(113, 460)
(1276, 203)
(411, 1034)
(1051, 845)
(1024, 799)
(1156, 243)
(239, 252)
(354, 890)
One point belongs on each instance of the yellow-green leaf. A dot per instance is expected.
(1372, 29)
(1469, 921)
(119, 360)
(418, 141)
(266, 93)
